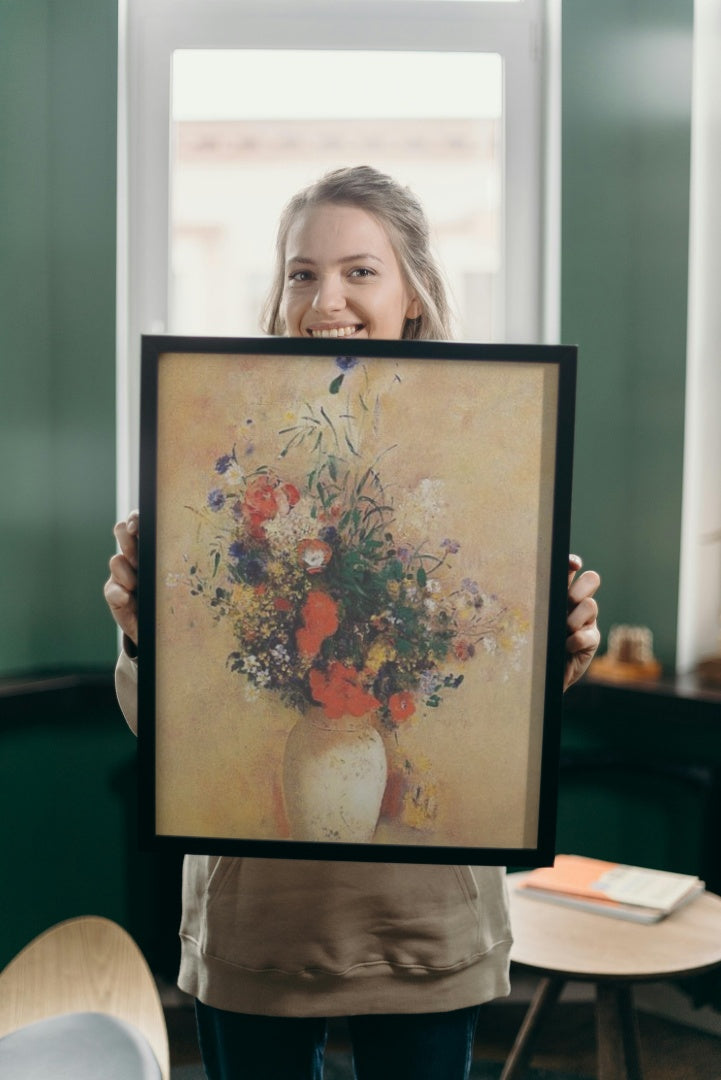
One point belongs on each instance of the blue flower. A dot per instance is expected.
(251, 566)
(451, 546)
(223, 463)
(328, 534)
(254, 570)
(216, 499)
(346, 363)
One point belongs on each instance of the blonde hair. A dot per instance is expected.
(403, 217)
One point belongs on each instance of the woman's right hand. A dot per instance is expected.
(121, 587)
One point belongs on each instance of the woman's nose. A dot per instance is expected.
(329, 296)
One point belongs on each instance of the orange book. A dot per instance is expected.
(632, 892)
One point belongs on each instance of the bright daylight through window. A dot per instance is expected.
(237, 156)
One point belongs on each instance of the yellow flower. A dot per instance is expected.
(243, 596)
(380, 652)
(393, 588)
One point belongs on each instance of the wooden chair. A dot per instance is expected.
(90, 972)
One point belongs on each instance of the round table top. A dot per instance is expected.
(559, 940)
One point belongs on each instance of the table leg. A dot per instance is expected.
(545, 997)
(617, 1033)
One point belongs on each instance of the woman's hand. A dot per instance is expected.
(121, 587)
(583, 635)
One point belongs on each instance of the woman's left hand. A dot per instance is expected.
(582, 633)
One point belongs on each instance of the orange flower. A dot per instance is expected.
(265, 498)
(314, 555)
(287, 496)
(401, 706)
(339, 691)
(320, 621)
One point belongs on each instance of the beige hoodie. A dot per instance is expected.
(285, 937)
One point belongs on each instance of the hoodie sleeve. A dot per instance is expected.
(126, 688)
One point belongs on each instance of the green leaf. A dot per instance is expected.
(336, 384)
(421, 577)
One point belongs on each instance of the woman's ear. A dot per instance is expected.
(415, 309)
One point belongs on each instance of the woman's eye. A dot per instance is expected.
(300, 276)
(362, 272)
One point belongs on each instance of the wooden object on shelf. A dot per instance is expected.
(629, 657)
(709, 671)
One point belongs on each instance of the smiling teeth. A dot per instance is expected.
(337, 331)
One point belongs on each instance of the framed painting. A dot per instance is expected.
(352, 597)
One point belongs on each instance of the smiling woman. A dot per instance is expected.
(338, 293)
(353, 260)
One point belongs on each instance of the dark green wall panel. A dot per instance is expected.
(58, 77)
(626, 146)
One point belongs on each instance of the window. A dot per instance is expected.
(235, 160)
(228, 105)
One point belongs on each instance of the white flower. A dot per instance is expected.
(284, 533)
(233, 476)
(419, 509)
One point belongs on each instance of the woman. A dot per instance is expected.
(271, 948)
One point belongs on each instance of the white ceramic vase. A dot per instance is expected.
(334, 778)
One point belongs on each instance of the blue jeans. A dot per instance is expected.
(414, 1046)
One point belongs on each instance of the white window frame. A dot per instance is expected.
(526, 34)
(699, 597)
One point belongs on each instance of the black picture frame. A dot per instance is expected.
(277, 550)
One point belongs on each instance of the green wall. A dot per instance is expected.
(58, 72)
(625, 200)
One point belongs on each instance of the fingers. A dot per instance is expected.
(123, 608)
(584, 641)
(121, 587)
(583, 613)
(583, 587)
(582, 634)
(575, 562)
(126, 534)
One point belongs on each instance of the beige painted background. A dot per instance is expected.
(484, 430)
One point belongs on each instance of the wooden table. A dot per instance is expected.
(563, 944)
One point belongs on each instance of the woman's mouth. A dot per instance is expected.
(334, 331)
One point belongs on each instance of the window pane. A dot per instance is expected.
(252, 127)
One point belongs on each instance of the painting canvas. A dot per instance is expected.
(352, 597)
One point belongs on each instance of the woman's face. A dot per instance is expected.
(342, 277)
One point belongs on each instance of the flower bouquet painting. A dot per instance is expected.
(351, 555)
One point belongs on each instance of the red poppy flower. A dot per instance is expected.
(401, 706)
(320, 620)
(340, 691)
(265, 498)
(286, 496)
